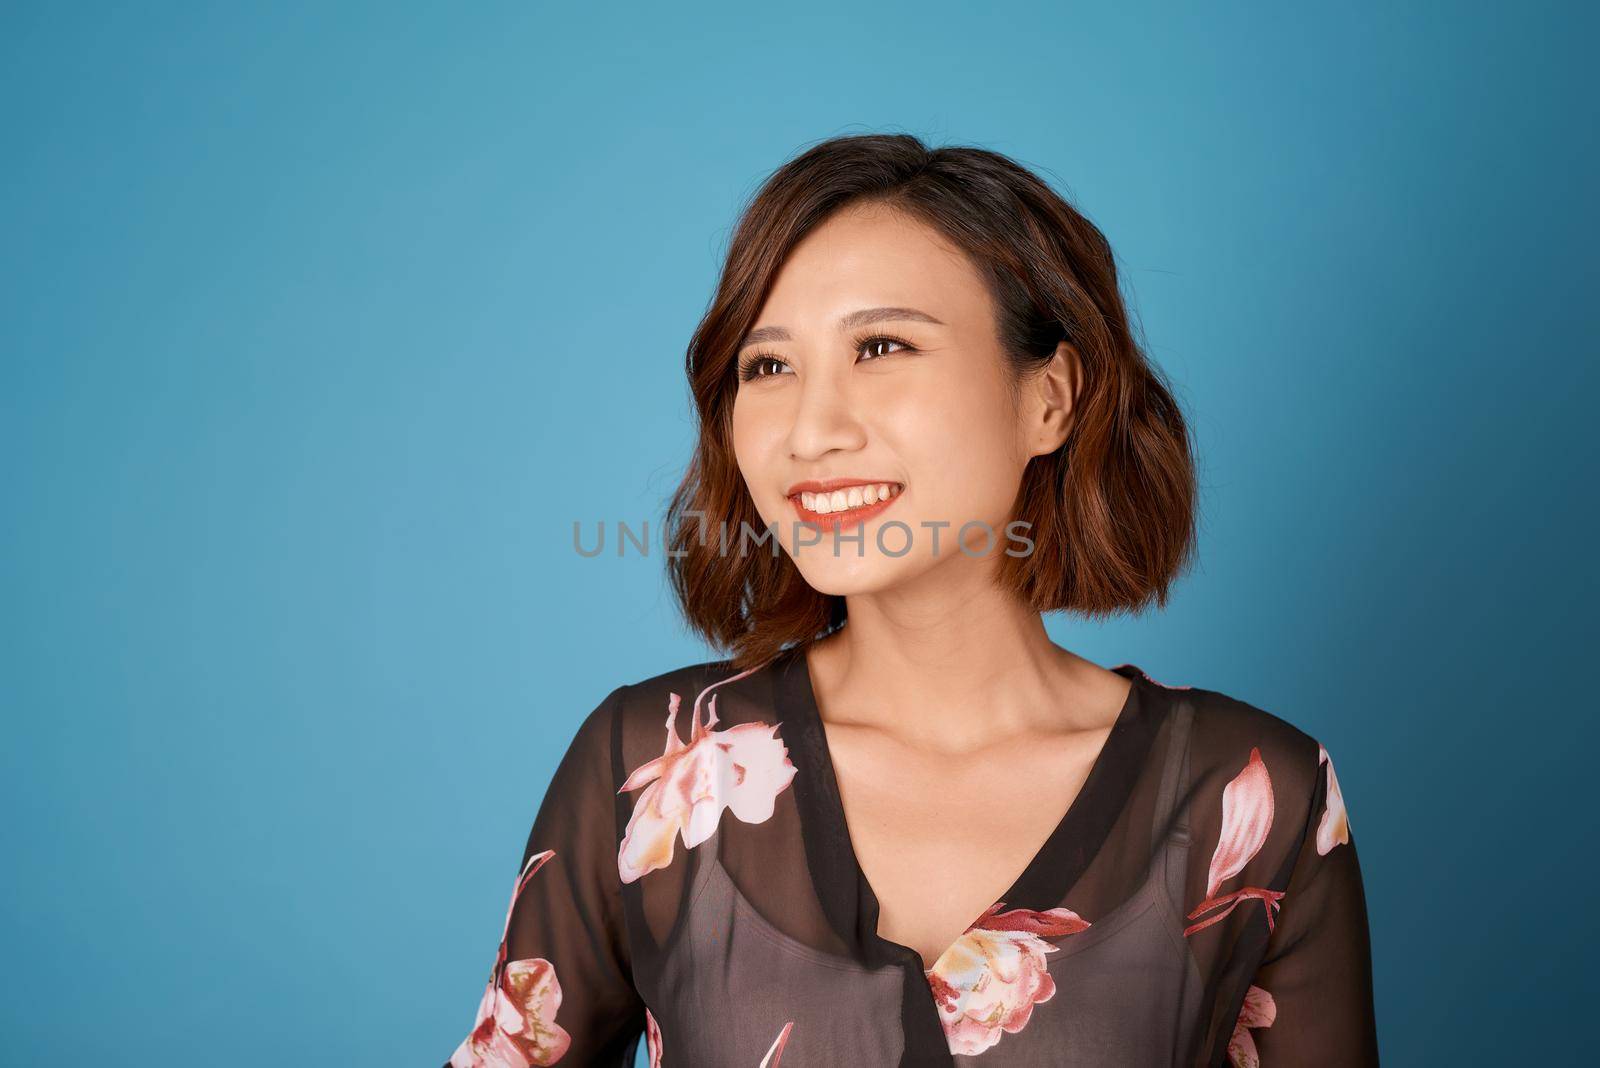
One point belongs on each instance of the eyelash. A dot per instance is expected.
(748, 365)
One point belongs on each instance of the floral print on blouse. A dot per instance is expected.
(992, 977)
(696, 896)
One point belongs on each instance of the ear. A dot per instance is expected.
(1052, 400)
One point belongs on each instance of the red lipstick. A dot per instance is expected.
(848, 517)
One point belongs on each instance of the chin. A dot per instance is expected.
(844, 577)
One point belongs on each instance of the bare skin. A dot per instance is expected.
(960, 733)
(942, 831)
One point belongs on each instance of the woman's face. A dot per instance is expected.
(833, 387)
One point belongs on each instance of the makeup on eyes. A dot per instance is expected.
(750, 362)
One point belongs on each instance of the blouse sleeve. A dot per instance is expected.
(561, 988)
(1311, 1001)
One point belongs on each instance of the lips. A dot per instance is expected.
(840, 502)
(828, 485)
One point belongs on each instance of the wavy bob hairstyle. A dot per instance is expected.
(1112, 511)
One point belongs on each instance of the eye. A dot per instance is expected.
(872, 341)
(755, 366)
(766, 365)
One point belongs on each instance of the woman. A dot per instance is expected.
(899, 825)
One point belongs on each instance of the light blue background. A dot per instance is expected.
(321, 323)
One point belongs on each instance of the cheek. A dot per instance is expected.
(957, 441)
(756, 439)
(744, 434)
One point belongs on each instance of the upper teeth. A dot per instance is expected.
(854, 497)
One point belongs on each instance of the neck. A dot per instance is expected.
(954, 667)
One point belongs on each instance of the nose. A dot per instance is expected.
(824, 419)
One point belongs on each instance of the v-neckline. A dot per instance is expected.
(848, 899)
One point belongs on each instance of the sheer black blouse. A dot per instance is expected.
(690, 881)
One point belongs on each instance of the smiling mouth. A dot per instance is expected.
(846, 505)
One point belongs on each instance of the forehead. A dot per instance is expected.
(875, 256)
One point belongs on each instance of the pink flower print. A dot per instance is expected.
(743, 768)
(775, 1054)
(990, 978)
(516, 1025)
(1335, 825)
(1259, 1010)
(516, 1022)
(652, 1038)
(1247, 808)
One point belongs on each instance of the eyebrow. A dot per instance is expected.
(863, 317)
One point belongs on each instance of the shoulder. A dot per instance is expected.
(685, 679)
(1230, 734)
(688, 682)
(631, 710)
(626, 700)
(626, 722)
(702, 690)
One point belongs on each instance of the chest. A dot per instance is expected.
(941, 838)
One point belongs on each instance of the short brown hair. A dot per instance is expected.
(1112, 510)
